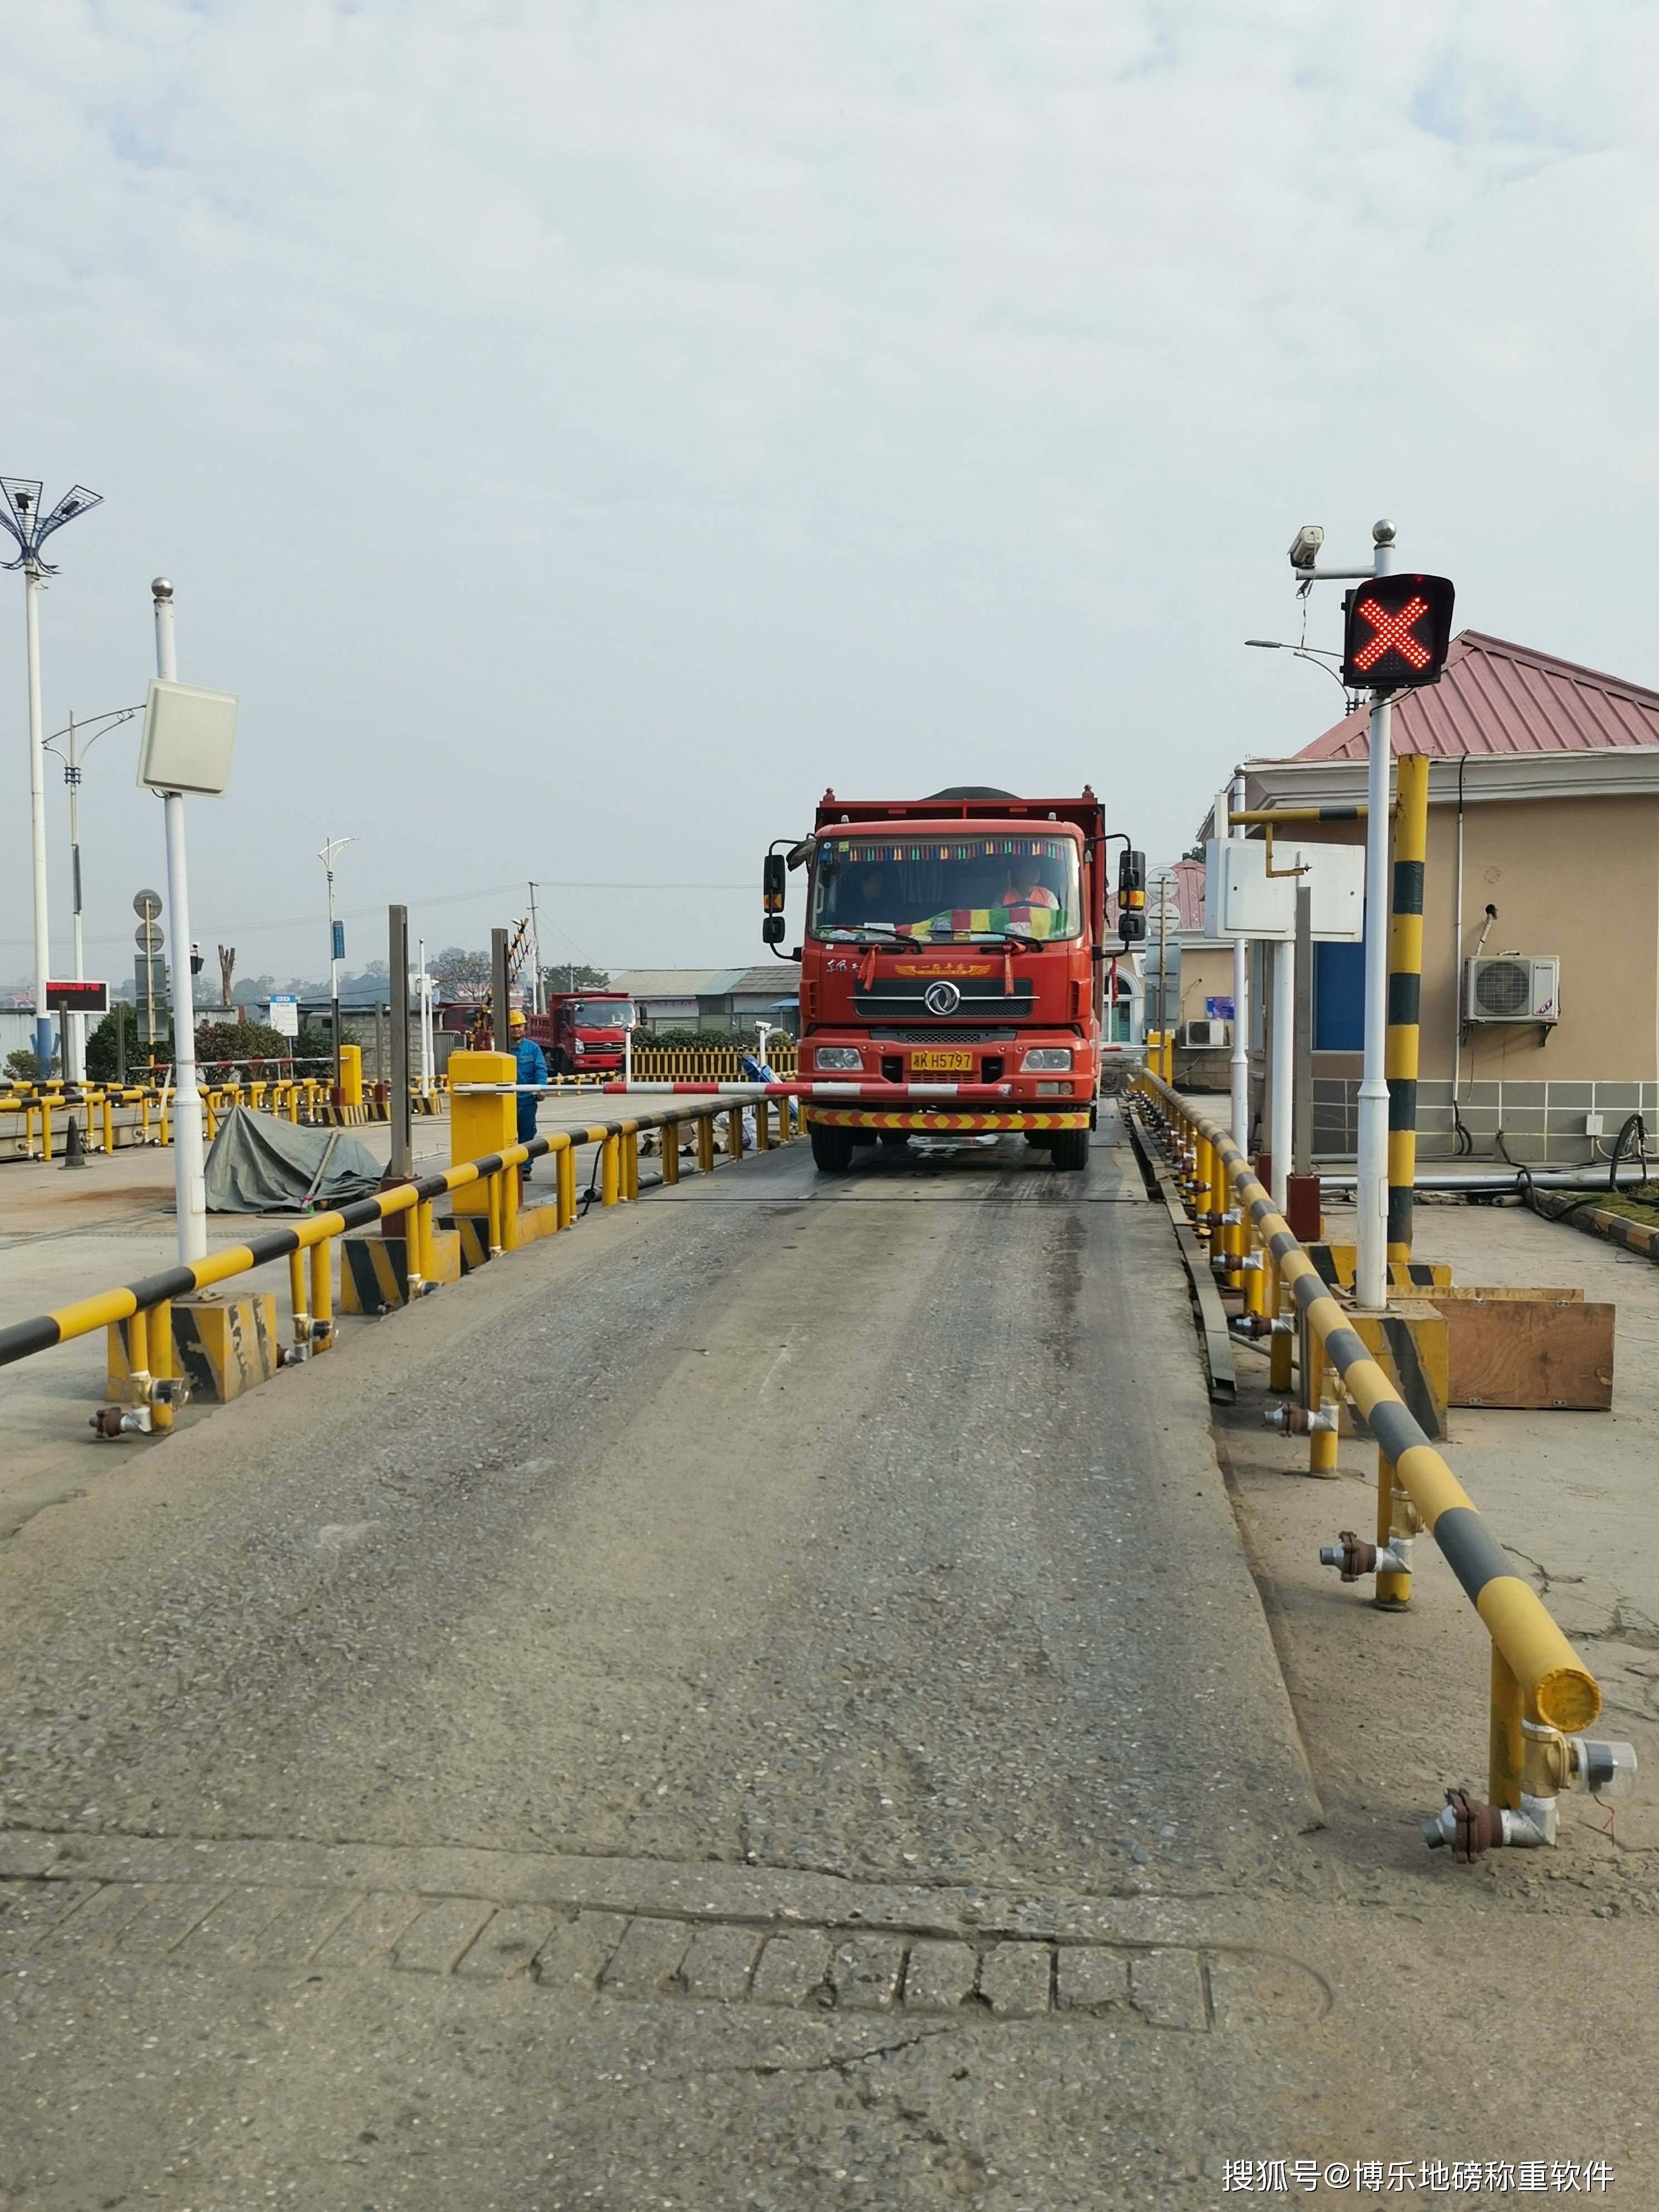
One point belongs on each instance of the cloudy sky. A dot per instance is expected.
(581, 432)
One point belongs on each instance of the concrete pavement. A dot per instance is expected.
(759, 1702)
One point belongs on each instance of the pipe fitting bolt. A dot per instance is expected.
(1355, 1557)
(1300, 1420)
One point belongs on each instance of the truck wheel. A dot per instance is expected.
(1069, 1149)
(1038, 1140)
(832, 1149)
(894, 1140)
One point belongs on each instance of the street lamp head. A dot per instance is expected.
(1382, 532)
(20, 516)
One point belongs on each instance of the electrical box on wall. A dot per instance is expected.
(1241, 899)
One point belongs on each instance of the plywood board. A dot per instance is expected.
(1548, 1352)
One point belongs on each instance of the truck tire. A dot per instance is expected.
(894, 1140)
(1069, 1149)
(1039, 1139)
(832, 1149)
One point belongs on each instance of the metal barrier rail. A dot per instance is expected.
(304, 1099)
(1541, 1693)
(702, 1063)
(143, 1304)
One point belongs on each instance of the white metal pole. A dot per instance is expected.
(74, 1025)
(1371, 1191)
(425, 989)
(37, 818)
(1281, 1139)
(537, 992)
(1241, 1057)
(190, 1193)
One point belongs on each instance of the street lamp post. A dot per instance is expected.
(22, 517)
(75, 1024)
(336, 942)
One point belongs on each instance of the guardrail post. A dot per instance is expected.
(322, 1297)
(1280, 1348)
(630, 1162)
(609, 1169)
(160, 1364)
(706, 1144)
(1321, 1442)
(109, 1126)
(1392, 1592)
(45, 1127)
(734, 1133)
(1506, 1742)
(668, 1139)
(564, 1184)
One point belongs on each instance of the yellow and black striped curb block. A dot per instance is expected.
(637, 1929)
(1559, 1687)
(1337, 1262)
(222, 1346)
(1411, 1343)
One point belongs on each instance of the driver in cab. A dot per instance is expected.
(1026, 888)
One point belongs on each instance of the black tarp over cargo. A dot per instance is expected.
(259, 1165)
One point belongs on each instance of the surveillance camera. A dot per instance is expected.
(1304, 546)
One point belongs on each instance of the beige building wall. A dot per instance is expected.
(1578, 878)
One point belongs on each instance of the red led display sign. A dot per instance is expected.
(1398, 630)
(76, 997)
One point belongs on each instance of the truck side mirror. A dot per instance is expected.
(774, 875)
(1132, 898)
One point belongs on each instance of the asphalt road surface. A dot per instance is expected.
(759, 1702)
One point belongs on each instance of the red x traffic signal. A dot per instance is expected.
(1397, 633)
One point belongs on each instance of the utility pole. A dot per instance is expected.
(22, 517)
(74, 759)
(335, 943)
(1371, 1190)
(537, 992)
(1240, 1054)
(190, 1193)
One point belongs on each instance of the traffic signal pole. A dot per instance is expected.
(1371, 1195)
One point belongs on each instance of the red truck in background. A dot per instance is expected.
(582, 1032)
(963, 938)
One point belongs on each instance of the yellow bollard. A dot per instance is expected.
(45, 1125)
(609, 1170)
(296, 1296)
(631, 1161)
(138, 1346)
(705, 1143)
(734, 1133)
(160, 1358)
(1506, 1741)
(1394, 1517)
(322, 1297)
(492, 1214)
(109, 1124)
(668, 1137)
(1280, 1348)
(564, 1184)
(1255, 1279)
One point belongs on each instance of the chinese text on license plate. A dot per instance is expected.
(941, 1063)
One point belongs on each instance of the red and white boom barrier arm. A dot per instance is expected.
(972, 1094)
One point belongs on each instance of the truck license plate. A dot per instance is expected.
(941, 1063)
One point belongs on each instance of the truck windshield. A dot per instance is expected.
(602, 1014)
(944, 888)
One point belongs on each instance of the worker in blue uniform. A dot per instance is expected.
(529, 1066)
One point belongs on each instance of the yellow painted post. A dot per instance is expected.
(481, 1122)
(762, 1125)
(631, 1161)
(564, 1184)
(1321, 1442)
(1506, 1744)
(609, 1170)
(45, 1125)
(734, 1133)
(1410, 845)
(668, 1137)
(296, 1296)
(1280, 1348)
(705, 1143)
(1394, 1517)
(1255, 1279)
(322, 1296)
(109, 1124)
(160, 1355)
(138, 1346)
(351, 1074)
(493, 1202)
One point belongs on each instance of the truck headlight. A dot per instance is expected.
(846, 1058)
(578, 1046)
(1048, 1059)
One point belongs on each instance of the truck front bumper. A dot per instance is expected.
(873, 1117)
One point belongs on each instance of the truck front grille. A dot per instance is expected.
(938, 1034)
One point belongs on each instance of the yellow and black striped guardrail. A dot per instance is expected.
(143, 1305)
(1542, 1691)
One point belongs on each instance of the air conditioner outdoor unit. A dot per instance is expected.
(1205, 1035)
(1514, 987)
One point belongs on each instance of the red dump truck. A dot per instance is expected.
(956, 950)
(582, 1032)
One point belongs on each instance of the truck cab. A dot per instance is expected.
(953, 944)
(584, 1032)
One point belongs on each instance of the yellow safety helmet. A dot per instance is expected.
(515, 1019)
